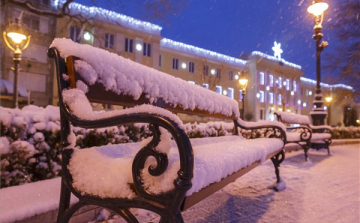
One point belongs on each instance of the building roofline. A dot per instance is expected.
(266, 56)
(208, 54)
(313, 82)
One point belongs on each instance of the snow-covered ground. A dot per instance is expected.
(325, 189)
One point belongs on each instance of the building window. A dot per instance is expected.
(287, 84)
(231, 76)
(279, 102)
(129, 45)
(279, 82)
(206, 86)
(175, 63)
(206, 70)
(261, 78)
(147, 49)
(160, 60)
(271, 80)
(191, 67)
(294, 86)
(75, 34)
(218, 89)
(262, 96)
(231, 93)
(109, 41)
(271, 98)
(218, 72)
(240, 95)
(261, 114)
(32, 21)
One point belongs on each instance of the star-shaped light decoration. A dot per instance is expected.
(277, 50)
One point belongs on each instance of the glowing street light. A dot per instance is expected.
(243, 84)
(14, 37)
(329, 100)
(317, 9)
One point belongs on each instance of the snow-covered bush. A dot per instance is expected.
(30, 137)
(350, 132)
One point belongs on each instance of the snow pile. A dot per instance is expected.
(288, 117)
(124, 76)
(209, 129)
(105, 171)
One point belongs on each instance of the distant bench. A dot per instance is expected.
(166, 173)
(304, 134)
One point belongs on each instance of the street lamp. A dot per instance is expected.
(317, 8)
(17, 40)
(243, 84)
(329, 100)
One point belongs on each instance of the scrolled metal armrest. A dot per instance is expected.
(254, 131)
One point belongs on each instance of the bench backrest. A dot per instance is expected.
(111, 79)
(291, 118)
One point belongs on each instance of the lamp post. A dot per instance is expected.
(317, 8)
(329, 100)
(243, 84)
(14, 37)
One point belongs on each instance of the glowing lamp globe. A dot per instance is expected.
(243, 82)
(317, 8)
(328, 99)
(16, 37)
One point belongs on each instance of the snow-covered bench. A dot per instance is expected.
(305, 134)
(166, 173)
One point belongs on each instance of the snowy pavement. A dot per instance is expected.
(324, 190)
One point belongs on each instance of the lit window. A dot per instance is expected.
(262, 99)
(218, 89)
(279, 82)
(231, 75)
(206, 86)
(241, 96)
(262, 78)
(294, 86)
(271, 80)
(109, 41)
(287, 84)
(279, 99)
(147, 49)
(191, 67)
(74, 34)
(299, 102)
(129, 45)
(175, 63)
(231, 93)
(271, 98)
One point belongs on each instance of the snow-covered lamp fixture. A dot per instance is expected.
(17, 40)
(236, 77)
(304, 104)
(138, 47)
(317, 8)
(258, 95)
(224, 92)
(292, 93)
(183, 65)
(212, 71)
(299, 102)
(310, 93)
(87, 36)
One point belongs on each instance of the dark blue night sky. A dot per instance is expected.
(236, 27)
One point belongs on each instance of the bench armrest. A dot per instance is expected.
(260, 129)
(321, 129)
(304, 131)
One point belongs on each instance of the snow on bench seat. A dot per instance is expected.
(126, 77)
(292, 118)
(320, 136)
(106, 171)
